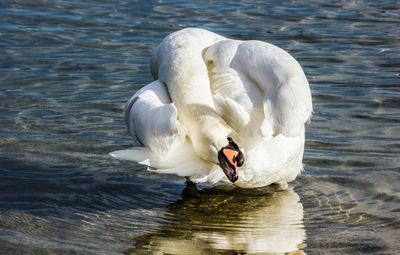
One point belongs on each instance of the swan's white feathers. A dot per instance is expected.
(256, 89)
(181, 161)
(178, 62)
(152, 120)
(147, 123)
(137, 154)
(283, 155)
(265, 68)
(233, 113)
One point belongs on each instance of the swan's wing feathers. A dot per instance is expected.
(152, 121)
(286, 109)
(153, 129)
(261, 78)
(156, 91)
(236, 98)
(287, 96)
(233, 113)
(152, 118)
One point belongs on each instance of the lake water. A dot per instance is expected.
(68, 67)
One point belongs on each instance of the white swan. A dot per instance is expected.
(220, 110)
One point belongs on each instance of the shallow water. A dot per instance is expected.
(67, 68)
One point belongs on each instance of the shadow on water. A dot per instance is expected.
(225, 219)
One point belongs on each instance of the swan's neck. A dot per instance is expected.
(185, 73)
(180, 65)
(207, 131)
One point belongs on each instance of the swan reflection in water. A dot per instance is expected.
(228, 219)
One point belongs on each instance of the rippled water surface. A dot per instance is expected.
(67, 68)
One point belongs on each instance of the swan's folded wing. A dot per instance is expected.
(152, 118)
(152, 122)
(287, 95)
(233, 113)
(235, 97)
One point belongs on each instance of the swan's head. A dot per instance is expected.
(213, 139)
(222, 146)
(230, 158)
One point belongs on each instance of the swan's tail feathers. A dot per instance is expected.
(181, 160)
(140, 155)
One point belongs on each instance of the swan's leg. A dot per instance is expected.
(190, 191)
(189, 182)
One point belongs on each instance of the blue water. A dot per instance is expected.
(68, 67)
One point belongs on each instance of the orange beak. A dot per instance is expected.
(230, 158)
(230, 155)
(228, 163)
